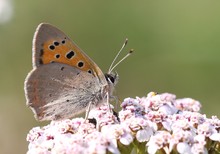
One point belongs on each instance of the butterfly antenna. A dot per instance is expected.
(126, 56)
(123, 46)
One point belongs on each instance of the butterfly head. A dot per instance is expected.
(112, 78)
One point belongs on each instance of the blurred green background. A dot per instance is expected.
(176, 42)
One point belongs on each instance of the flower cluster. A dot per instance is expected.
(158, 123)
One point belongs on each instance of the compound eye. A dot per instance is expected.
(109, 77)
(112, 79)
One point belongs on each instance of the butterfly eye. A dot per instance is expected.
(110, 77)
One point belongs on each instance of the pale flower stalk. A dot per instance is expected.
(157, 123)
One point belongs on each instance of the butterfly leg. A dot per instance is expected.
(109, 105)
(117, 102)
(87, 110)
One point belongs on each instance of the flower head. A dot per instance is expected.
(155, 123)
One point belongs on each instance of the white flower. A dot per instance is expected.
(206, 129)
(184, 148)
(118, 132)
(198, 149)
(160, 140)
(144, 134)
(188, 104)
(215, 137)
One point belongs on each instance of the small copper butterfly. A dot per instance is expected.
(64, 81)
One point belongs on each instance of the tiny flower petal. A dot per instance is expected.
(183, 148)
(144, 135)
(215, 137)
(126, 139)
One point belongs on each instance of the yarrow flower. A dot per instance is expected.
(157, 123)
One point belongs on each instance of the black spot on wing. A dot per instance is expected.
(70, 54)
(80, 64)
(51, 47)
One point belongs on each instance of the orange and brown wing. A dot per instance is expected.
(52, 45)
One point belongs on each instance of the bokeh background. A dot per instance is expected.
(176, 43)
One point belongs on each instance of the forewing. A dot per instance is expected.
(51, 45)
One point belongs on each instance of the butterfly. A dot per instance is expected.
(64, 81)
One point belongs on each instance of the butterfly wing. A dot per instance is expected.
(51, 45)
(56, 91)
